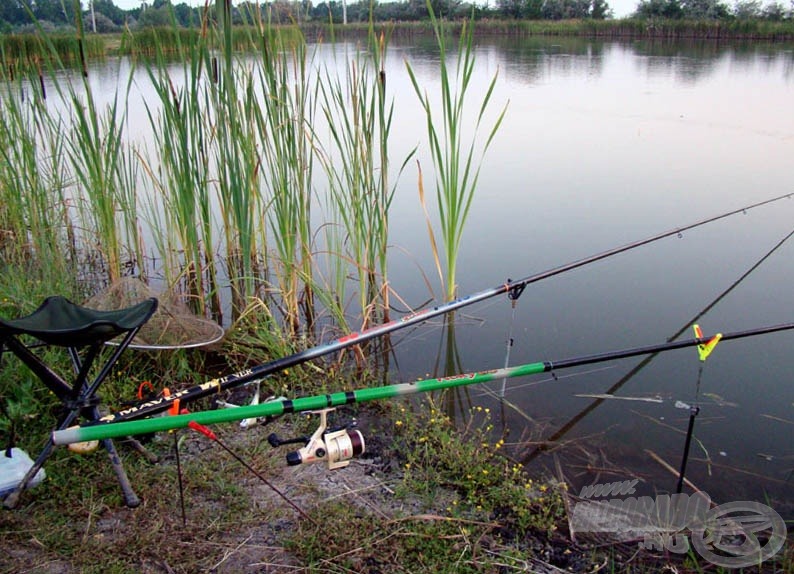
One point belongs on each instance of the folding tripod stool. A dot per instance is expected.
(59, 322)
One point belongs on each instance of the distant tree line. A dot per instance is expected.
(99, 15)
(104, 16)
(714, 10)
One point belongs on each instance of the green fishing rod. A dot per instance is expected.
(95, 431)
(513, 288)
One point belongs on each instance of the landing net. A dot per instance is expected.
(173, 326)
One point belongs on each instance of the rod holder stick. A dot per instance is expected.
(509, 345)
(179, 477)
(212, 436)
(693, 412)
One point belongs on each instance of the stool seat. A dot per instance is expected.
(60, 322)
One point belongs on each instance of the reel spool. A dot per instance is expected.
(337, 447)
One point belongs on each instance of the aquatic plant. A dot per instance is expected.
(456, 169)
(104, 178)
(359, 118)
(283, 117)
(180, 210)
(34, 213)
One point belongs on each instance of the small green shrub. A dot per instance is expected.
(467, 461)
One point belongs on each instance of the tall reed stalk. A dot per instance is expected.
(359, 116)
(456, 167)
(181, 213)
(283, 118)
(35, 231)
(234, 166)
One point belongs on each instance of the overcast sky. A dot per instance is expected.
(620, 7)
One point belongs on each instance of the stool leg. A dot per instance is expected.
(136, 444)
(12, 499)
(130, 498)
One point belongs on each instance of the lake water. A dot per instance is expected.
(605, 143)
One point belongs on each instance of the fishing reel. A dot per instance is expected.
(337, 445)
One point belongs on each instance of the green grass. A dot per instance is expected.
(464, 459)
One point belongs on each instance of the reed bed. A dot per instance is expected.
(19, 51)
(34, 215)
(175, 40)
(359, 117)
(728, 29)
(263, 192)
(22, 50)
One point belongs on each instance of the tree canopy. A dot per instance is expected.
(105, 16)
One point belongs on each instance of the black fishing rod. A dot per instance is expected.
(279, 407)
(511, 287)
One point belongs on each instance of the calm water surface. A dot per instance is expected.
(605, 143)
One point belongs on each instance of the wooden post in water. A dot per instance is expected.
(41, 79)
(78, 16)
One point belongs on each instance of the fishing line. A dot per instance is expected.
(213, 437)
(555, 378)
(564, 429)
(504, 402)
(439, 331)
(416, 334)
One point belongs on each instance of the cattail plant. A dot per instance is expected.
(456, 166)
(358, 116)
(180, 207)
(283, 115)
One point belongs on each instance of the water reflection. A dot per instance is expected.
(533, 60)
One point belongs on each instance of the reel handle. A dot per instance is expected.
(275, 441)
